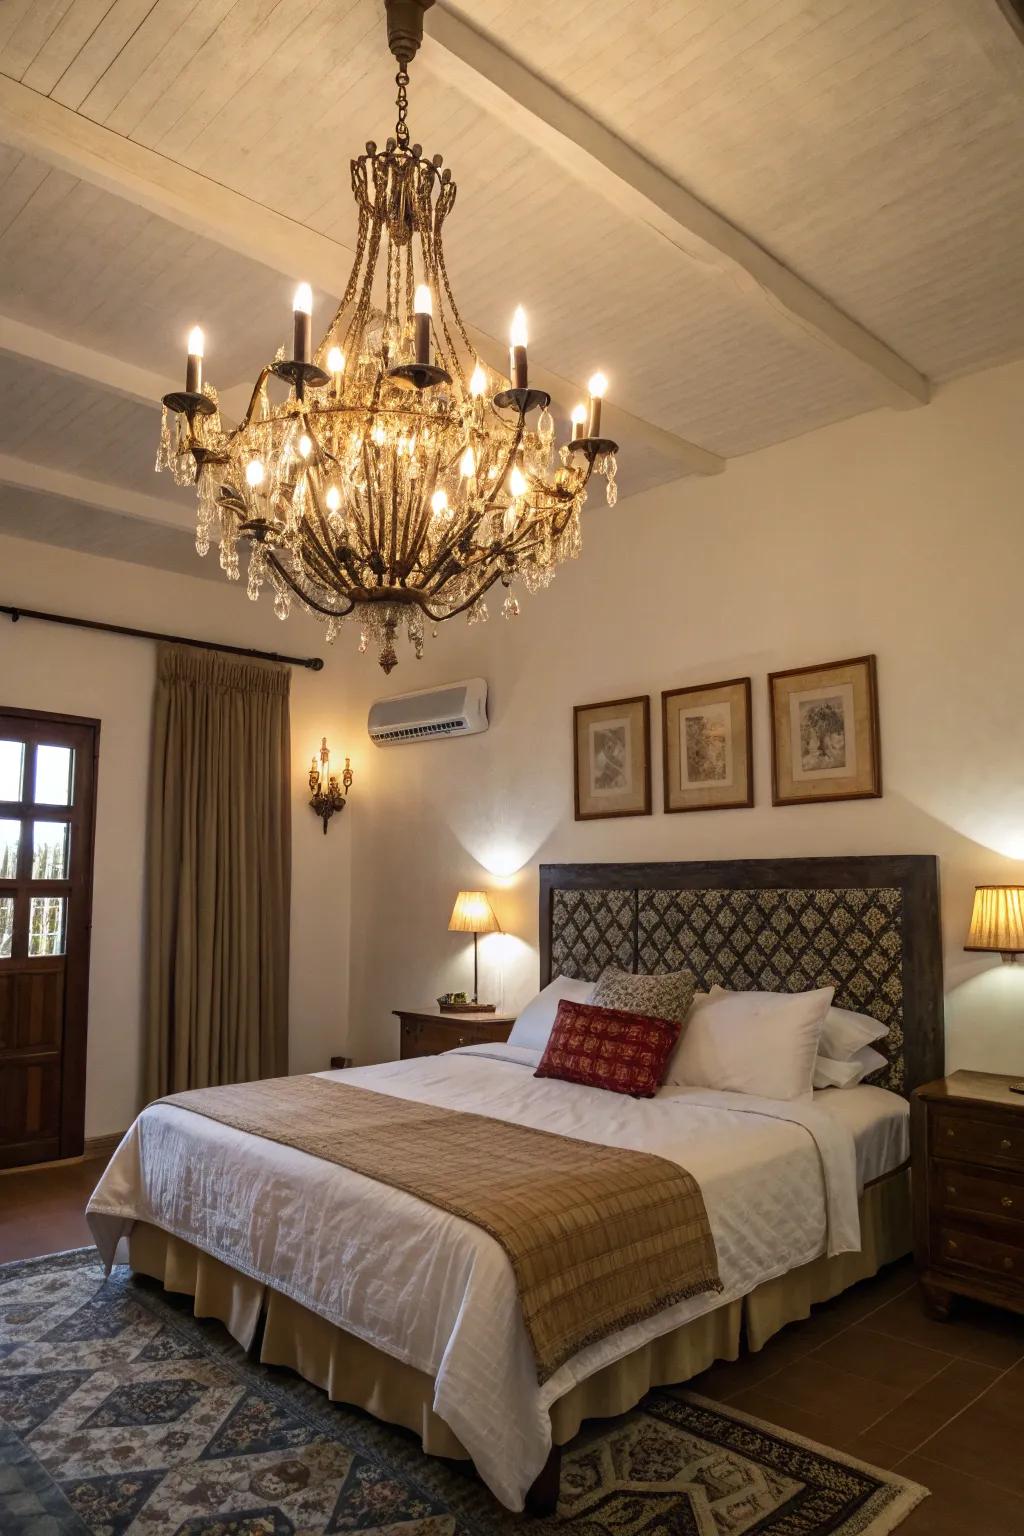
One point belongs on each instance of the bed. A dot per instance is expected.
(411, 1313)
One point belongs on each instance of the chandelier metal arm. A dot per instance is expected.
(329, 613)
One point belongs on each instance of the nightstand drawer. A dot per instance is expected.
(972, 1139)
(990, 1255)
(425, 1036)
(977, 1192)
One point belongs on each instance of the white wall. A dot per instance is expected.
(898, 532)
(74, 672)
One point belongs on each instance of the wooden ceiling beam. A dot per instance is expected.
(462, 57)
(29, 476)
(38, 126)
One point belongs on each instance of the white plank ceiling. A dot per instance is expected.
(872, 149)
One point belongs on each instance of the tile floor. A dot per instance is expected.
(868, 1373)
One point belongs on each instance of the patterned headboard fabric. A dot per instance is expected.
(869, 927)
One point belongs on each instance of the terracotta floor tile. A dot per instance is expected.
(43, 1210)
(987, 1335)
(959, 1505)
(985, 1440)
(852, 1402)
(827, 1429)
(893, 1362)
(934, 1404)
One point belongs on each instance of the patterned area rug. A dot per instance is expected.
(119, 1413)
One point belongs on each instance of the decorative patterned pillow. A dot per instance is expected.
(609, 1048)
(666, 996)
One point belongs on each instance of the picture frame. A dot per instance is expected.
(611, 745)
(707, 748)
(825, 733)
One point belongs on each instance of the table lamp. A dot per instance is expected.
(473, 913)
(997, 927)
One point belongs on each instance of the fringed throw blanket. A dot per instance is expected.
(598, 1237)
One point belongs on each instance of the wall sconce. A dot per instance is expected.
(328, 795)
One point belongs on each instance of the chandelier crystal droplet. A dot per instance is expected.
(395, 477)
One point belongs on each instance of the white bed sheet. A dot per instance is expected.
(878, 1121)
(779, 1182)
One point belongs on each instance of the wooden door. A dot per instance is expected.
(47, 814)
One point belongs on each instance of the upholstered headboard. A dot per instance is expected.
(867, 926)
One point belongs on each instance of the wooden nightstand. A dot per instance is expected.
(968, 1173)
(428, 1031)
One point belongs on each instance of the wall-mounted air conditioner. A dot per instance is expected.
(455, 709)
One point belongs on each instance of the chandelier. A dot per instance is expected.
(390, 477)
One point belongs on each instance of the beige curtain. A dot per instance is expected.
(219, 871)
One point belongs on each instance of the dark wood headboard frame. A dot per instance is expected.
(915, 875)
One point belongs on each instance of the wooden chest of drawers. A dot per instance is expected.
(428, 1031)
(968, 1167)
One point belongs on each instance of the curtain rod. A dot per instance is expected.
(314, 663)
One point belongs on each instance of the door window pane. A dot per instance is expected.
(12, 769)
(50, 840)
(46, 922)
(53, 775)
(6, 926)
(10, 837)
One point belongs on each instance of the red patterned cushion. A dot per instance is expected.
(607, 1048)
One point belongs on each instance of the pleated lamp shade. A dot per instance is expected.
(473, 913)
(997, 922)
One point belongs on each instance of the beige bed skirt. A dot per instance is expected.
(351, 1371)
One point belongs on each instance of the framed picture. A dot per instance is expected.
(706, 746)
(825, 742)
(612, 758)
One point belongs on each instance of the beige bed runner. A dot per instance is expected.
(598, 1237)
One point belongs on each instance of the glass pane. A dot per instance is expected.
(12, 766)
(6, 926)
(10, 837)
(50, 840)
(53, 775)
(47, 916)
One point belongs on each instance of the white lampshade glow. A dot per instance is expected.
(196, 342)
(518, 336)
(997, 920)
(303, 300)
(254, 473)
(336, 360)
(473, 913)
(422, 303)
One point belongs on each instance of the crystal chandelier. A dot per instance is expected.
(389, 477)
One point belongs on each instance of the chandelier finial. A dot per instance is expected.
(405, 27)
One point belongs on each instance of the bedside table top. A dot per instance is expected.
(432, 1011)
(973, 1088)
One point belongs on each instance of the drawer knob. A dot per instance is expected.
(462, 1040)
(1007, 1263)
(1007, 1201)
(1006, 1144)
(950, 1132)
(951, 1244)
(950, 1189)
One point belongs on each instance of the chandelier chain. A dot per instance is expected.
(402, 126)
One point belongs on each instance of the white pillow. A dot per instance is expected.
(845, 1074)
(533, 1026)
(762, 1043)
(845, 1033)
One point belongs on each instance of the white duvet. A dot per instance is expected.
(779, 1182)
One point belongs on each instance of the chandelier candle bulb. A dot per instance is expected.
(439, 502)
(194, 366)
(597, 384)
(467, 464)
(336, 367)
(517, 349)
(333, 499)
(578, 419)
(477, 383)
(422, 310)
(302, 314)
(254, 473)
(517, 482)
